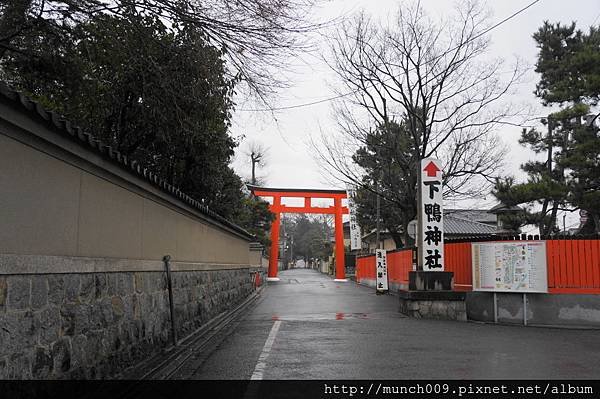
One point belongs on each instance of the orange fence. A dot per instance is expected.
(365, 268)
(573, 265)
(399, 263)
(457, 259)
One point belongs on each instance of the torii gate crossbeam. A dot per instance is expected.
(278, 208)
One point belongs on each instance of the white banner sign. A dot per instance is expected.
(355, 235)
(432, 215)
(509, 266)
(381, 270)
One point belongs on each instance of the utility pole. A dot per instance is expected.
(420, 222)
(377, 217)
(292, 251)
(542, 225)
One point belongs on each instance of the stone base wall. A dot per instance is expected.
(93, 325)
(394, 287)
(568, 310)
(434, 309)
(200, 296)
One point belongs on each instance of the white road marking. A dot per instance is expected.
(261, 364)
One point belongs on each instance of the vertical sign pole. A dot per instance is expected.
(495, 308)
(524, 309)
(355, 238)
(381, 280)
(431, 212)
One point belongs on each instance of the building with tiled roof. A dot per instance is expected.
(458, 224)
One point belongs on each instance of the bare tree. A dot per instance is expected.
(257, 153)
(434, 79)
(258, 37)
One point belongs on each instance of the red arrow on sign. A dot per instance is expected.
(431, 169)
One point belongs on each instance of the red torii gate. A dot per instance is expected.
(308, 194)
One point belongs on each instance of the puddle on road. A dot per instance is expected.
(322, 316)
(340, 316)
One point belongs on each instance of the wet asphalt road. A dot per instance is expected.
(330, 330)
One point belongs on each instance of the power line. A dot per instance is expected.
(308, 104)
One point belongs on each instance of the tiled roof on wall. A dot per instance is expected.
(62, 126)
(459, 226)
(474, 215)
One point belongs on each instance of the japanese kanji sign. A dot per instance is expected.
(381, 270)
(355, 239)
(432, 215)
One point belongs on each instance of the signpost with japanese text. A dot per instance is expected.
(381, 270)
(355, 239)
(432, 216)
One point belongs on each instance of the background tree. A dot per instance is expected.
(569, 67)
(434, 78)
(387, 159)
(160, 98)
(159, 95)
(583, 160)
(258, 38)
(311, 236)
(257, 153)
(254, 215)
(568, 64)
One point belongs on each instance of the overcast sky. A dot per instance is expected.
(286, 133)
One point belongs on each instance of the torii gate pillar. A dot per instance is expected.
(277, 208)
(274, 256)
(340, 264)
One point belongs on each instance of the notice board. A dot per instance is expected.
(505, 266)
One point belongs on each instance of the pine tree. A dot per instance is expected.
(389, 161)
(569, 68)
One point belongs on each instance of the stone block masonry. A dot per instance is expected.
(93, 325)
(442, 305)
(441, 310)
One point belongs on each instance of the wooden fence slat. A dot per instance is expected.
(449, 257)
(585, 270)
(596, 262)
(457, 266)
(469, 269)
(407, 264)
(564, 265)
(560, 263)
(589, 268)
(461, 265)
(576, 255)
(586, 257)
(558, 271)
(573, 266)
